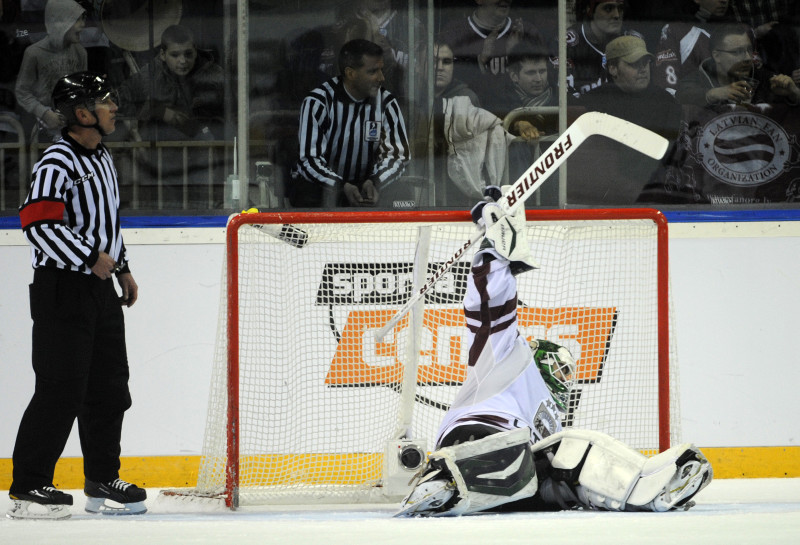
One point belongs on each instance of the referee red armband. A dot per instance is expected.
(41, 211)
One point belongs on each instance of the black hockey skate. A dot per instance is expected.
(115, 497)
(46, 502)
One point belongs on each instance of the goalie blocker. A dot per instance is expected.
(570, 469)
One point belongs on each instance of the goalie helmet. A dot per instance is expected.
(557, 367)
(82, 89)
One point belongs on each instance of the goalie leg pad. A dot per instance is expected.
(594, 471)
(589, 469)
(492, 471)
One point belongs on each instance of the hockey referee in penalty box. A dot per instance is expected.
(353, 145)
(71, 220)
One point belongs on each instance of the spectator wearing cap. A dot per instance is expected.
(629, 94)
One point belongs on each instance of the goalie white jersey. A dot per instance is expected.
(504, 388)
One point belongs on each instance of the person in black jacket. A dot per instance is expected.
(629, 94)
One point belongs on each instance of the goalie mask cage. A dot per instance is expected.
(305, 404)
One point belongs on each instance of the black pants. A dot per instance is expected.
(81, 366)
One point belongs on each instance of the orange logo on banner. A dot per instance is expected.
(361, 361)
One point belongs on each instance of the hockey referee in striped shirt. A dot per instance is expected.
(71, 219)
(353, 140)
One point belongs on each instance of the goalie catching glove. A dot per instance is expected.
(505, 233)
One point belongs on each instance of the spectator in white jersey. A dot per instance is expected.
(71, 220)
(599, 22)
(353, 140)
(501, 442)
(684, 45)
(430, 135)
(481, 43)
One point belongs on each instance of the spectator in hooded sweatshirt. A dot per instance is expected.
(48, 60)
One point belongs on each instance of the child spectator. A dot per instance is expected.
(179, 96)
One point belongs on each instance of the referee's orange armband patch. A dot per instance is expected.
(41, 211)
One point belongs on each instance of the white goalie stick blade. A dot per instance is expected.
(589, 124)
(287, 233)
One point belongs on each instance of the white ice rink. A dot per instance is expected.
(751, 511)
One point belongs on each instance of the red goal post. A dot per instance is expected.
(306, 406)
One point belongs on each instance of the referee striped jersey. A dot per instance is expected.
(345, 140)
(71, 212)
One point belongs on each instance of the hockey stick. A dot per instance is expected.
(287, 233)
(589, 124)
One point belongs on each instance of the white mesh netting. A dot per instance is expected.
(319, 397)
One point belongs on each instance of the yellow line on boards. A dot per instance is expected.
(181, 471)
(753, 462)
(145, 471)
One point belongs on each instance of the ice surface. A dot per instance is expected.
(747, 511)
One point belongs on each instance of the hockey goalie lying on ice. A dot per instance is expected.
(501, 442)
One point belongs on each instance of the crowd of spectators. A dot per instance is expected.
(717, 78)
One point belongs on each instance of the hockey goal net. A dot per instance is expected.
(306, 405)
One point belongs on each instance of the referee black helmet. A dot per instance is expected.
(81, 89)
